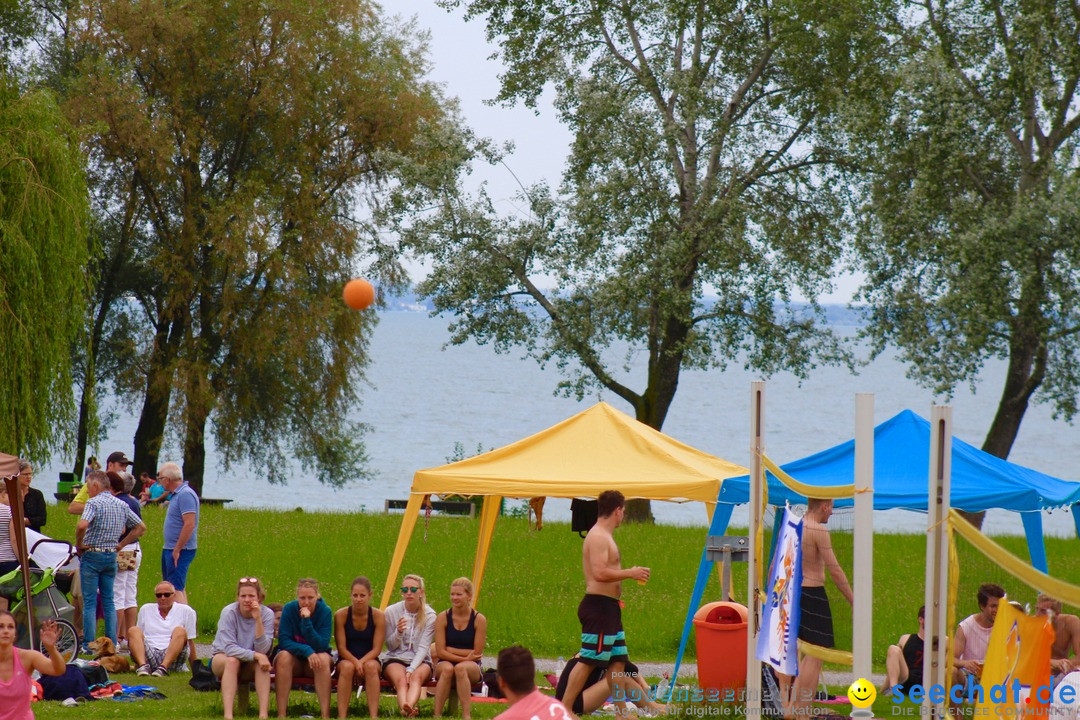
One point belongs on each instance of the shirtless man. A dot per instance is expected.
(815, 623)
(603, 643)
(1066, 635)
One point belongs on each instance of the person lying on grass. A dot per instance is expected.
(241, 646)
(359, 631)
(410, 626)
(460, 634)
(304, 646)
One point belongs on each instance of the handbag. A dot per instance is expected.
(202, 678)
(125, 560)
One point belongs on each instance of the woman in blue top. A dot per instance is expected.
(460, 634)
(304, 646)
(359, 631)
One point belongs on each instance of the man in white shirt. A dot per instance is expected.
(159, 641)
(973, 634)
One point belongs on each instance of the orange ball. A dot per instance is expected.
(358, 294)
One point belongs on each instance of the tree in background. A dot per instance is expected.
(702, 163)
(250, 132)
(971, 236)
(43, 255)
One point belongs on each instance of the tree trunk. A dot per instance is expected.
(155, 410)
(195, 445)
(1027, 367)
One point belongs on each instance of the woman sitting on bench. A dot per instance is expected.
(410, 626)
(304, 646)
(460, 634)
(241, 648)
(359, 630)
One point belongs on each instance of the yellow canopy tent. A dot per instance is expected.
(597, 449)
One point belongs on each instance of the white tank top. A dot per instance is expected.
(977, 639)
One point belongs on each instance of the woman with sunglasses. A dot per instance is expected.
(304, 646)
(359, 631)
(460, 634)
(245, 632)
(16, 666)
(410, 626)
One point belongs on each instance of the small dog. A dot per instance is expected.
(105, 653)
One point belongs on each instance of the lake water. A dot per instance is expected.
(423, 399)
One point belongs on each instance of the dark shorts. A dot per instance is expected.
(602, 638)
(176, 574)
(595, 676)
(815, 621)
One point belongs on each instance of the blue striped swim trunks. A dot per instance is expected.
(602, 638)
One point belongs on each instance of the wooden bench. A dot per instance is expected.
(450, 507)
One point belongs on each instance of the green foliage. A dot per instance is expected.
(969, 237)
(43, 254)
(244, 136)
(702, 163)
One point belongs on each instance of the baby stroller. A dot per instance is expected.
(50, 601)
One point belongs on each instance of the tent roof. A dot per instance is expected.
(598, 449)
(901, 468)
(9, 465)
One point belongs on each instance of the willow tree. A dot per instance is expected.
(254, 130)
(703, 190)
(43, 256)
(971, 239)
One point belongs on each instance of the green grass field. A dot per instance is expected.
(530, 592)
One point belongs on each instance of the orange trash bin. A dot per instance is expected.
(720, 629)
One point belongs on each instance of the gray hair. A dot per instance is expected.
(25, 465)
(129, 481)
(99, 478)
(171, 470)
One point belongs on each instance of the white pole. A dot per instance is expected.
(863, 572)
(753, 606)
(937, 555)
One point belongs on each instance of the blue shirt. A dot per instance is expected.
(184, 501)
(109, 520)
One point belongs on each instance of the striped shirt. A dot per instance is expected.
(7, 553)
(109, 520)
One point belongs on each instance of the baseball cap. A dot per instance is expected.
(119, 457)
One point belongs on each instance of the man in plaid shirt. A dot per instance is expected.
(106, 526)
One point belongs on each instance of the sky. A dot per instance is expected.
(459, 54)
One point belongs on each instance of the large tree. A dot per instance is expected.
(971, 236)
(250, 132)
(43, 256)
(702, 165)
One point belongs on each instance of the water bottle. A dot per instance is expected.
(662, 689)
(560, 665)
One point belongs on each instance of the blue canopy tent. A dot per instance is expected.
(980, 481)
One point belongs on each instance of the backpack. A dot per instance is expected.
(202, 679)
(72, 684)
(94, 673)
(491, 678)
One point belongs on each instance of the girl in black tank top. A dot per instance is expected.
(359, 649)
(459, 650)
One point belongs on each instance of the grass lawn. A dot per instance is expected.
(531, 588)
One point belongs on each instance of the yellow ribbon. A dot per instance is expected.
(825, 492)
(1059, 589)
(829, 655)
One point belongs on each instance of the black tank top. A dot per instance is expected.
(461, 639)
(359, 642)
(913, 656)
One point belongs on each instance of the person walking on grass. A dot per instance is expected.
(603, 643)
(181, 531)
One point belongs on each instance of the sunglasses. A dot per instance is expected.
(163, 595)
(407, 590)
(249, 580)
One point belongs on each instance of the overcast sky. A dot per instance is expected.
(459, 58)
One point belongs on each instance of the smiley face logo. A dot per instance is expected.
(862, 693)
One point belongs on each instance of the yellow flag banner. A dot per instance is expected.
(1017, 665)
(825, 492)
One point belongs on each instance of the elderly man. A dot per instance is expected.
(106, 526)
(118, 462)
(181, 529)
(159, 642)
